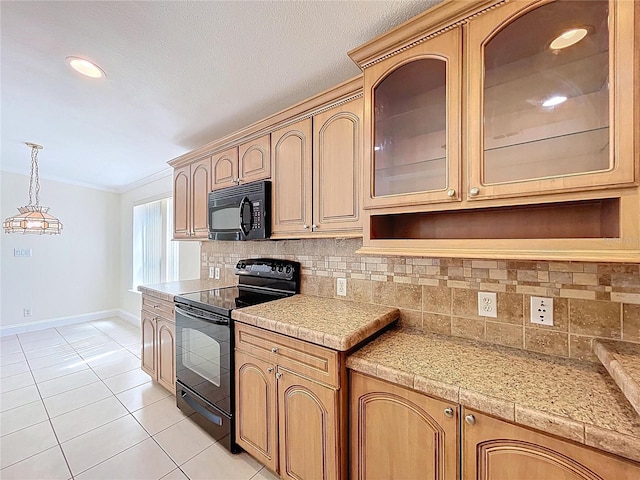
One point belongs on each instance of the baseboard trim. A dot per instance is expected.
(70, 320)
(129, 317)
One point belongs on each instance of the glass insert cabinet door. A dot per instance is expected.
(413, 116)
(544, 96)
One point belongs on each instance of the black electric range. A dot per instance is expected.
(204, 341)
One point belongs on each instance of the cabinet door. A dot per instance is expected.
(255, 160)
(412, 128)
(224, 167)
(256, 426)
(182, 202)
(166, 354)
(308, 427)
(337, 140)
(399, 433)
(148, 332)
(200, 188)
(291, 174)
(494, 450)
(550, 98)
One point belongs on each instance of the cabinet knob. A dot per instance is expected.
(451, 193)
(470, 419)
(305, 226)
(448, 412)
(270, 369)
(314, 226)
(278, 375)
(474, 191)
(274, 349)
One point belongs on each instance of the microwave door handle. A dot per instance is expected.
(245, 226)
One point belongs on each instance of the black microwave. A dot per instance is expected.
(242, 212)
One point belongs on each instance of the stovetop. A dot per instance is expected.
(259, 280)
(223, 300)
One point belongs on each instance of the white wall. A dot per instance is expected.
(75, 273)
(130, 301)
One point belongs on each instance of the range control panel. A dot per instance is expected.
(268, 268)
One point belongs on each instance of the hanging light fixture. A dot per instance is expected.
(33, 218)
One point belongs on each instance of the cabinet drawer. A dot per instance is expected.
(312, 361)
(158, 307)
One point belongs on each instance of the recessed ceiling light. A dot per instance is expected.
(85, 67)
(553, 101)
(568, 38)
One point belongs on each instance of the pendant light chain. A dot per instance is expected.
(34, 161)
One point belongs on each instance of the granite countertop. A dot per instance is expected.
(622, 361)
(336, 324)
(575, 400)
(168, 290)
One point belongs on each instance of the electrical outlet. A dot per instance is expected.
(341, 288)
(487, 304)
(542, 310)
(216, 273)
(26, 312)
(22, 252)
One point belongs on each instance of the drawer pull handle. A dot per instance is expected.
(278, 375)
(156, 306)
(470, 419)
(448, 412)
(270, 369)
(274, 349)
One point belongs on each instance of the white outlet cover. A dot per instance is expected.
(541, 311)
(211, 272)
(216, 273)
(341, 287)
(487, 304)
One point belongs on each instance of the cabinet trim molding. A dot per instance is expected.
(431, 23)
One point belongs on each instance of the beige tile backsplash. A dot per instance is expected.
(440, 294)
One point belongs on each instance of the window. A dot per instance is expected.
(155, 256)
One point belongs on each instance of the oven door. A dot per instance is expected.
(204, 348)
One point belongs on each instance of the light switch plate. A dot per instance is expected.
(22, 252)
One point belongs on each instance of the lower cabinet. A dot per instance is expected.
(158, 341)
(397, 433)
(494, 450)
(291, 423)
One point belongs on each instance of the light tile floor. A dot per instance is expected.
(75, 404)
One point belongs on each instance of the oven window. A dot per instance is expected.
(225, 218)
(201, 355)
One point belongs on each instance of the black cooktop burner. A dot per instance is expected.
(223, 300)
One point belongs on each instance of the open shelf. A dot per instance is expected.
(579, 219)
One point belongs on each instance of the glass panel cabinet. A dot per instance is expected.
(545, 82)
(413, 148)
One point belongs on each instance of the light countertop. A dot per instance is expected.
(168, 290)
(336, 324)
(622, 361)
(575, 400)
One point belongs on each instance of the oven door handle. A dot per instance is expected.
(200, 409)
(202, 319)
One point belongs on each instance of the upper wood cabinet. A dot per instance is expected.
(412, 113)
(292, 173)
(316, 174)
(249, 162)
(191, 184)
(495, 450)
(504, 129)
(549, 98)
(225, 169)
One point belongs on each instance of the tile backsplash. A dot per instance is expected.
(440, 294)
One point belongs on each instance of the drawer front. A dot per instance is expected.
(312, 361)
(158, 307)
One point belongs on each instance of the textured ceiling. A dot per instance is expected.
(179, 74)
